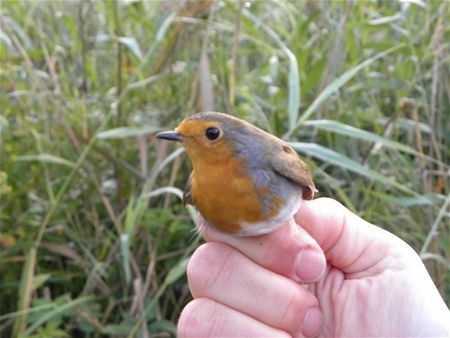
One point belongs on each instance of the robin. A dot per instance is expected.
(244, 181)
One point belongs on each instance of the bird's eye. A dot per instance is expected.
(212, 133)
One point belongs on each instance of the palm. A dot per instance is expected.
(368, 303)
(343, 300)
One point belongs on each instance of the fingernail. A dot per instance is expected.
(312, 325)
(310, 265)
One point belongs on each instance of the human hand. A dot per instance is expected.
(336, 275)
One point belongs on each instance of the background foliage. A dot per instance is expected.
(94, 240)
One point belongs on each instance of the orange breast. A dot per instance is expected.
(224, 194)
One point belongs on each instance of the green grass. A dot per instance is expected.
(93, 237)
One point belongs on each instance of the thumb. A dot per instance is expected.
(349, 243)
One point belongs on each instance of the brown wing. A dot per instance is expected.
(287, 163)
(187, 195)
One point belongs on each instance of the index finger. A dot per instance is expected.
(289, 251)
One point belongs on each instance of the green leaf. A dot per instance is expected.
(422, 200)
(3, 126)
(436, 257)
(25, 292)
(294, 91)
(40, 308)
(165, 26)
(419, 3)
(345, 129)
(132, 44)
(408, 124)
(163, 326)
(330, 156)
(130, 216)
(57, 312)
(40, 280)
(166, 190)
(125, 132)
(385, 19)
(47, 158)
(274, 65)
(6, 40)
(417, 200)
(335, 85)
(125, 252)
(18, 29)
(118, 329)
(177, 271)
(142, 83)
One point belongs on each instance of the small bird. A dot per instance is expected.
(244, 181)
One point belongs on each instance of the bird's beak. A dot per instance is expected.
(171, 136)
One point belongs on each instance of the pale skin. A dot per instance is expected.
(329, 274)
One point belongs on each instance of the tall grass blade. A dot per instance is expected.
(56, 312)
(3, 126)
(148, 185)
(434, 227)
(330, 156)
(166, 190)
(125, 252)
(125, 132)
(445, 263)
(294, 90)
(336, 85)
(294, 79)
(45, 158)
(408, 124)
(418, 200)
(54, 206)
(33, 309)
(161, 33)
(130, 215)
(174, 274)
(132, 44)
(206, 84)
(25, 290)
(345, 129)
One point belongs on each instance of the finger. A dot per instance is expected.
(289, 251)
(206, 318)
(219, 272)
(349, 243)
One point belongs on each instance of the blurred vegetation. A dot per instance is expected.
(93, 238)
